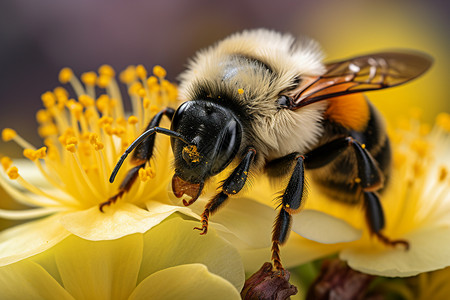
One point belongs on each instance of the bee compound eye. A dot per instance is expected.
(284, 101)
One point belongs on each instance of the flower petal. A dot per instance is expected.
(174, 242)
(99, 270)
(118, 220)
(191, 281)
(429, 250)
(30, 238)
(323, 228)
(28, 280)
(296, 251)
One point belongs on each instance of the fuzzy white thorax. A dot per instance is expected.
(229, 68)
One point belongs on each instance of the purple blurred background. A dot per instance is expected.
(38, 38)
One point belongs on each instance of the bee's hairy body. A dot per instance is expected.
(268, 103)
(270, 65)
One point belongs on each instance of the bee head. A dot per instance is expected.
(214, 136)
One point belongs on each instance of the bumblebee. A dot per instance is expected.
(267, 103)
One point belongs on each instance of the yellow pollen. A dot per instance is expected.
(41, 152)
(192, 152)
(85, 100)
(159, 71)
(6, 162)
(99, 146)
(363, 146)
(93, 138)
(240, 91)
(103, 81)
(65, 75)
(287, 205)
(89, 78)
(13, 173)
(72, 141)
(357, 180)
(141, 72)
(48, 99)
(106, 70)
(132, 120)
(8, 134)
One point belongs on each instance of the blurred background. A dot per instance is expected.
(38, 38)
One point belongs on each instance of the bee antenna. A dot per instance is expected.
(139, 140)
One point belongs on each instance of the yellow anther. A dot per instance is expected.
(134, 88)
(77, 109)
(143, 175)
(287, 205)
(41, 152)
(128, 75)
(240, 91)
(42, 116)
(106, 70)
(8, 134)
(30, 154)
(102, 103)
(443, 173)
(150, 172)
(48, 99)
(93, 138)
(151, 81)
(103, 81)
(141, 93)
(119, 131)
(108, 129)
(357, 180)
(65, 75)
(141, 72)
(363, 146)
(60, 92)
(13, 173)
(443, 121)
(89, 78)
(6, 162)
(72, 141)
(71, 147)
(48, 130)
(99, 146)
(105, 121)
(132, 120)
(86, 100)
(159, 71)
(146, 102)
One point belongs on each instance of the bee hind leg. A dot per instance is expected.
(375, 220)
(231, 186)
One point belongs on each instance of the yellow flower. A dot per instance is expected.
(153, 265)
(68, 179)
(416, 205)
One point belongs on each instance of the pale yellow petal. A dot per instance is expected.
(99, 270)
(191, 281)
(118, 220)
(28, 280)
(31, 238)
(429, 250)
(323, 228)
(174, 242)
(296, 251)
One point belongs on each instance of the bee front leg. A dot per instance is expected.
(141, 154)
(231, 186)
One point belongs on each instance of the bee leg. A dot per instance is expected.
(231, 186)
(142, 153)
(290, 203)
(124, 186)
(375, 219)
